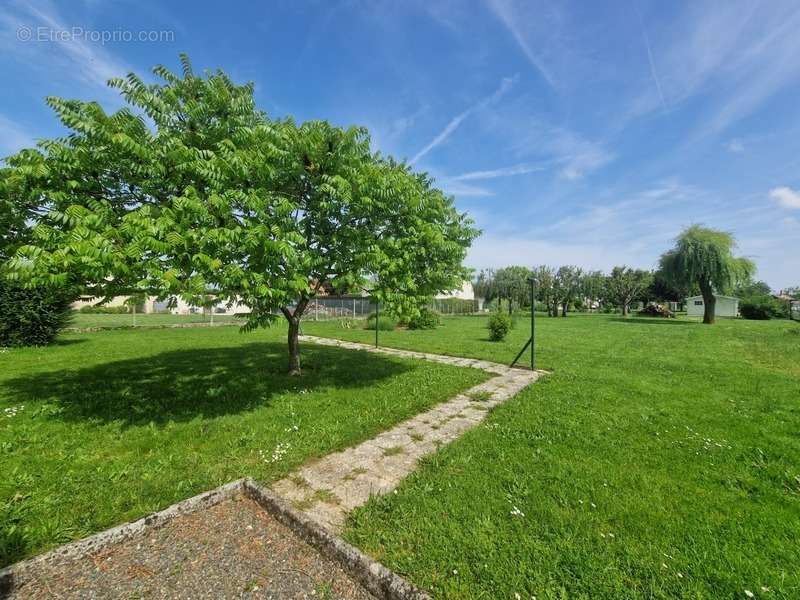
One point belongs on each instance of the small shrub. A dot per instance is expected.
(385, 322)
(426, 319)
(656, 310)
(499, 326)
(762, 308)
(105, 310)
(32, 317)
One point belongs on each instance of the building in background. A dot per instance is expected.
(726, 306)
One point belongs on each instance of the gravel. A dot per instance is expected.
(234, 549)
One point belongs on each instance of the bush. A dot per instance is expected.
(385, 322)
(32, 317)
(499, 326)
(656, 310)
(105, 310)
(426, 319)
(762, 308)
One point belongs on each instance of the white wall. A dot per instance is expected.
(725, 307)
(465, 293)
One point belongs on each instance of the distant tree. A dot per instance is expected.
(483, 286)
(664, 289)
(593, 286)
(512, 285)
(566, 286)
(545, 279)
(704, 257)
(213, 197)
(624, 285)
(752, 289)
(794, 292)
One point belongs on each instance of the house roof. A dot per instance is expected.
(715, 296)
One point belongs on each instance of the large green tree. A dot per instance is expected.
(704, 257)
(191, 191)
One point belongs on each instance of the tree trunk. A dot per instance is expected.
(564, 307)
(709, 303)
(510, 309)
(625, 309)
(293, 334)
(294, 346)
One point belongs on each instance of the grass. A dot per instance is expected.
(105, 427)
(660, 459)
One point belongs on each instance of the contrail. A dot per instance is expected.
(650, 55)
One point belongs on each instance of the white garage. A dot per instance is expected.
(726, 306)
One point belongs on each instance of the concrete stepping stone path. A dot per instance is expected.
(328, 488)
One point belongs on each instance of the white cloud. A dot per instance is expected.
(495, 173)
(457, 188)
(738, 54)
(577, 155)
(735, 146)
(786, 197)
(505, 85)
(74, 56)
(13, 137)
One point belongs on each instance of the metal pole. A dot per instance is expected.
(533, 324)
(377, 318)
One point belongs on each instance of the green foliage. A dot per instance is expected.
(499, 325)
(704, 257)
(32, 316)
(385, 322)
(762, 308)
(624, 285)
(751, 289)
(425, 319)
(218, 198)
(509, 284)
(104, 310)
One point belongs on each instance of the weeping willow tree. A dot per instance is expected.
(705, 257)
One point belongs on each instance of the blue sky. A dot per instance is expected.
(587, 133)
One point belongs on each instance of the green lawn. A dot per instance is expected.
(87, 320)
(105, 427)
(660, 459)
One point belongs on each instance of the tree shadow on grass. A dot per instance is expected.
(655, 321)
(208, 382)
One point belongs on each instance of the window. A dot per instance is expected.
(698, 303)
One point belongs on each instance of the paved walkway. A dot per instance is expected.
(327, 489)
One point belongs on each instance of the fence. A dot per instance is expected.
(330, 307)
(456, 306)
(321, 309)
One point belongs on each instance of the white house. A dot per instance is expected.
(464, 293)
(152, 305)
(726, 306)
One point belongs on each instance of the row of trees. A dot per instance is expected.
(559, 289)
(701, 261)
(192, 191)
